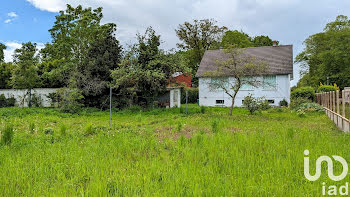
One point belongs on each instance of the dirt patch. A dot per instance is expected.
(172, 133)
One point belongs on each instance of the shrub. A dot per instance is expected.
(309, 107)
(263, 104)
(7, 135)
(36, 100)
(69, 100)
(193, 95)
(283, 103)
(251, 103)
(298, 101)
(203, 109)
(7, 102)
(326, 88)
(304, 92)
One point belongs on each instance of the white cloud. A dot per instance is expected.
(289, 21)
(13, 16)
(12, 46)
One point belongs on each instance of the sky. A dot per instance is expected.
(289, 21)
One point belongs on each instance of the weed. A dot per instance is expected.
(7, 135)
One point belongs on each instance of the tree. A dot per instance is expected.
(326, 56)
(260, 41)
(2, 56)
(5, 75)
(198, 37)
(24, 75)
(145, 70)
(244, 70)
(237, 39)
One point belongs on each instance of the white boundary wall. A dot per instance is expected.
(21, 96)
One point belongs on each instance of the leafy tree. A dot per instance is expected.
(145, 70)
(243, 69)
(198, 36)
(24, 74)
(260, 41)
(236, 38)
(2, 56)
(326, 58)
(5, 75)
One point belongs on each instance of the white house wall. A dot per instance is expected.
(208, 97)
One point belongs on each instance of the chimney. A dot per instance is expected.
(274, 43)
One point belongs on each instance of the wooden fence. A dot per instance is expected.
(335, 104)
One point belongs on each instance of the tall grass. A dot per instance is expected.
(216, 154)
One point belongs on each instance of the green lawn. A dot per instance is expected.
(166, 153)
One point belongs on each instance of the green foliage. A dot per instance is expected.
(89, 130)
(255, 104)
(260, 41)
(296, 102)
(2, 49)
(309, 107)
(283, 103)
(5, 75)
(36, 100)
(304, 92)
(145, 71)
(69, 100)
(63, 130)
(31, 127)
(215, 126)
(251, 103)
(7, 102)
(49, 131)
(325, 57)
(193, 95)
(326, 88)
(7, 135)
(237, 39)
(24, 73)
(179, 127)
(203, 109)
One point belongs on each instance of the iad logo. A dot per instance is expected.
(329, 164)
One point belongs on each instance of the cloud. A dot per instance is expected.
(13, 16)
(12, 46)
(289, 21)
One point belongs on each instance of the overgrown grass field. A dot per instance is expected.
(165, 152)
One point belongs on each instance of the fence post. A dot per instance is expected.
(338, 108)
(343, 102)
(333, 94)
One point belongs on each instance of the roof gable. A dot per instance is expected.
(279, 59)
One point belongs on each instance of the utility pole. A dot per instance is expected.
(186, 101)
(110, 107)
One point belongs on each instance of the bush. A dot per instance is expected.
(326, 88)
(309, 107)
(304, 92)
(263, 104)
(283, 103)
(7, 102)
(7, 135)
(69, 100)
(298, 101)
(36, 100)
(255, 104)
(193, 95)
(251, 104)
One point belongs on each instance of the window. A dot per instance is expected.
(246, 86)
(220, 102)
(271, 101)
(216, 84)
(270, 82)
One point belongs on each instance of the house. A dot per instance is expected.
(180, 79)
(278, 75)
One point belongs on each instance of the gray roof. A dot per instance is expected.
(279, 59)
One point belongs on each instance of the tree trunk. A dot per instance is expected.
(30, 98)
(233, 103)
